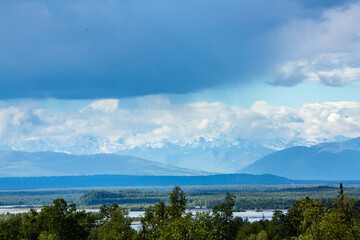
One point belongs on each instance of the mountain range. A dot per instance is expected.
(26, 164)
(325, 161)
(211, 155)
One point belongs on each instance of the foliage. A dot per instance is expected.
(116, 226)
(305, 219)
(340, 222)
(177, 202)
(10, 229)
(223, 222)
(60, 221)
(247, 196)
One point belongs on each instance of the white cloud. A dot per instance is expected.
(39, 129)
(342, 76)
(325, 50)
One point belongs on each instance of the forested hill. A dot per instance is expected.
(18, 183)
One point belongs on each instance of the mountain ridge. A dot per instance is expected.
(210, 155)
(47, 163)
(324, 161)
(23, 183)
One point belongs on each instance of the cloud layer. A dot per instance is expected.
(325, 50)
(113, 49)
(106, 126)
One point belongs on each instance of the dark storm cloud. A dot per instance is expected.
(101, 49)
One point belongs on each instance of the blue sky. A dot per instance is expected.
(114, 49)
(271, 65)
(245, 96)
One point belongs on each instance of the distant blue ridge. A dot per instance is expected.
(27, 183)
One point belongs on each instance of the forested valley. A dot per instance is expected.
(305, 219)
(140, 198)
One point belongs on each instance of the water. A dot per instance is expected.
(15, 209)
(250, 214)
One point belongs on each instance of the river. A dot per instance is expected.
(250, 214)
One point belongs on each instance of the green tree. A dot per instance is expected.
(62, 221)
(118, 227)
(341, 221)
(153, 218)
(177, 202)
(278, 226)
(171, 222)
(157, 217)
(30, 228)
(225, 227)
(224, 211)
(187, 227)
(47, 236)
(262, 235)
(249, 231)
(11, 228)
(105, 211)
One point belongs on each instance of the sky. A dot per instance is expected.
(135, 73)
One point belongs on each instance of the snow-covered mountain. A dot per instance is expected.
(212, 155)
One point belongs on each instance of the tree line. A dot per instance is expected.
(305, 219)
(247, 196)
